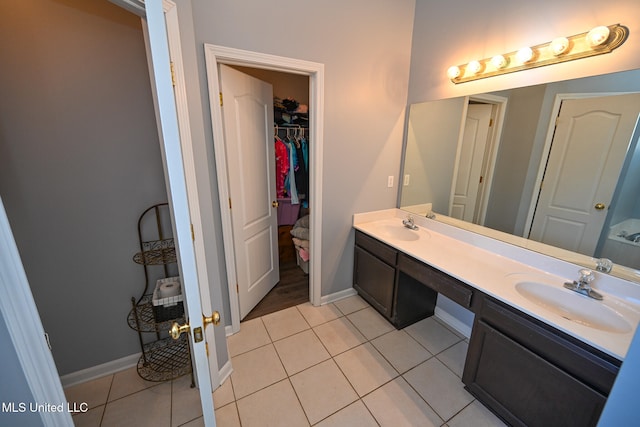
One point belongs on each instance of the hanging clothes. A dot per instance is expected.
(282, 166)
(291, 176)
(305, 151)
(302, 175)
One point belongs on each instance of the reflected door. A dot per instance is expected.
(589, 146)
(470, 162)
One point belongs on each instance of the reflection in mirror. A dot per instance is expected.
(481, 161)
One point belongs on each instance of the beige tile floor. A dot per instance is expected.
(341, 364)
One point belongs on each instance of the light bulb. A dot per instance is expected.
(524, 55)
(598, 36)
(559, 45)
(474, 67)
(453, 72)
(499, 62)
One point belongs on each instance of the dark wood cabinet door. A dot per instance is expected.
(374, 280)
(524, 388)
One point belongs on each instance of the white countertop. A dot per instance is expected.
(494, 267)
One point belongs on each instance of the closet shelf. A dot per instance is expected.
(165, 359)
(145, 320)
(156, 252)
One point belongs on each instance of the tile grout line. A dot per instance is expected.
(332, 358)
(104, 410)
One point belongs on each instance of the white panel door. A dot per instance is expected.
(470, 161)
(588, 149)
(247, 112)
(172, 155)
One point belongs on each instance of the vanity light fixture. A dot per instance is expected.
(499, 62)
(453, 72)
(559, 45)
(524, 55)
(474, 67)
(603, 39)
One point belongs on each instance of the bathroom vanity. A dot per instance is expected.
(538, 354)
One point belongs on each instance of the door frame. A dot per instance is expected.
(546, 150)
(20, 314)
(499, 110)
(215, 55)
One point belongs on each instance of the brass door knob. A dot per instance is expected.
(599, 206)
(275, 204)
(214, 318)
(177, 329)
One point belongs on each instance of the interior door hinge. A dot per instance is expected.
(237, 289)
(229, 202)
(221, 99)
(173, 74)
(46, 338)
(480, 179)
(490, 122)
(206, 346)
(193, 234)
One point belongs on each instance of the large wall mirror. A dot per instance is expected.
(552, 167)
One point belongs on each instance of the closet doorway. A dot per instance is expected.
(476, 157)
(284, 97)
(303, 82)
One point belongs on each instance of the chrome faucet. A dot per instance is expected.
(409, 223)
(583, 286)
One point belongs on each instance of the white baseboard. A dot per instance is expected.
(98, 371)
(453, 322)
(337, 296)
(225, 372)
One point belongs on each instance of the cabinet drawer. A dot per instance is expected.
(436, 280)
(379, 249)
(589, 365)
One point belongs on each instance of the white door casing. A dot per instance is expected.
(589, 146)
(215, 55)
(172, 154)
(247, 111)
(470, 162)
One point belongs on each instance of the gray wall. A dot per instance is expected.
(518, 136)
(458, 31)
(432, 141)
(79, 161)
(365, 96)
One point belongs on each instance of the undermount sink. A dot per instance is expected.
(398, 231)
(573, 306)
